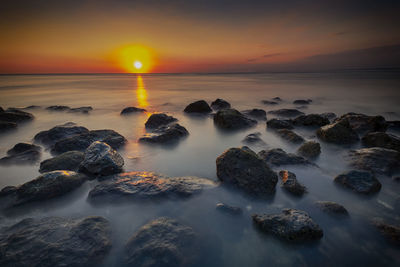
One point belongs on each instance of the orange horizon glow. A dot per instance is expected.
(135, 58)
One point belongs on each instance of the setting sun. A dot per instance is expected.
(137, 64)
(135, 58)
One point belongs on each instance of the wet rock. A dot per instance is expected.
(165, 134)
(290, 225)
(1, 109)
(310, 149)
(231, 119)
(15, 116)
(228, 209)
(381, 139)
(302, 101)
(70, 161)
(277, 98)
(22, 153)
(101, 159)
(375, 159)
(55, 241)
(279, 157)
(268, 102)
(331, 207)
(253, 138)
(220, 104)
(84, 110)
(359, 181)
(286, 112)
(58, 108)
(7, 126)
(200, 106)
(258, 114)
(159, 119)
(60, 132)
(328, 115)
(396, 179)
(22, 147)
(390, 232)
(162, 242)
(130, 110)
(338, 132)
(148, 186)
(290, 136)
(290, 183)
(279, 124)
(47, 186)
(242, 168)
(363, 124)
(394, 125)
(311, 120)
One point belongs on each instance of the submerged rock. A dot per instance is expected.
(279, 157)
(311, 120)
(69, 161)
(200, 106)
(390, 232)
(6, 126)
(302, 101)
(331, 207)
(290, 136)
(359, 181)
(268, 102)
(130, 110)
(290, 183)
(310, 149)
(253, 138)
(279, 124)
(242, 168)
(381, 139)
(84, 110)
(290, 225)
(220, 104)
(58, 108)
(256, 113)
(286, 112)
(55, 241)
(165, 134)
(228, 209)
(363, 124)
(376, 159)
(58, 133)
(163, 242)
(22, 147)
(22, 153)
(338, 132)
(231, 119)
(277, 98)
(159, 119)
(15, 116)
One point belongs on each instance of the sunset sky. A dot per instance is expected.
(41, 36)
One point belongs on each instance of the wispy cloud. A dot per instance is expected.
(264, 56)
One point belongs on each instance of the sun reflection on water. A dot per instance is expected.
(141, 93)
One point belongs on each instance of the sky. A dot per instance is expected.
(88, 36)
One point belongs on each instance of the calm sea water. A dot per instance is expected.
(233, 240)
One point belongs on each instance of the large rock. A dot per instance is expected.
(162, 242)
(148, 186)
(46, 186)
(101, 159)
(159, 119)
(6, 126)
(258, 114)
(200, 106)
(55, 242)
(58, 133)
(231, 119)
(309, 149)
(286, 112)
(331, 207)
(279, 124)
(70, 161)
(15, 116)
(311, 120)
(290, 136)
(390, 232)
(22, 153)
(363, 123)
(359, 181)
(338, 132)
(376, 159)
(165, 134)
(290, 183)
(381, 139)
(242, 168)
(290, 225)
(130, 110)
(278, 157)
(220, 104)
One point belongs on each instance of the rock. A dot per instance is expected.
(268, 102)
(363, 124)
(220, 104)
(311, 120)
(200, 106)
(58, 133)
(159, 119)
(277, 98)
(377, 160)
(55, 241)
(148, 186)
(279, 157)
(84, 110)
(1, 109)
(162, 242)
(338, 132)
(290, 136)
(302, 101)
(22, 147)
(328, 115)
(381, 139)
(286, 112)
(228, 209)
(359, 181)
(253, 138)
(58, 108)
(6, 126)
(15, 116)
(290, 225)
(332, 208)
(70, 161)
(390, 232)
(258, 114)
(130, 110)
(290, 183)
(22, 153)
(165, 134)
(394, 125)
(279, 124)
(242, 168)
(310, 149)
(396, 179)
(231, 119)
(47, 186)
(101, 159)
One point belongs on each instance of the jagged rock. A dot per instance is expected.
(359, 181)
(159, 119)
(363, 124)
(200, 106)
(242, 168)
(310, 149)
(22, 153)
(381, 139)
(286, 112)
(279, 157)
(165, 134)
(256, 113)
(290, 183)
(253, 138)
(220, 104)
(328, 115)
(130, 110)
(290, 225)
(15, 116)
(70, 161)
(228, 209)
(390, 232)
(55, 242)
(279, 124)
(231, 119)
(58, 133)
(302, 101)
(290, 136)
(338, 132)
(376, 159)
(268, 102)
(58, 108)
(311, 120)
(332, 208)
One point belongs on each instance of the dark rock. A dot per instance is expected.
(84, 110)
(302, 101)
(148, 185)
(279, 157)
(381, 139)
(310, 149)
(256, 113)
(130, 110)
(22, 147)
(390, 232)
(338, 132)
(311, 120)
(376, 159)
(328, 115)
(231, 119)
(253, 138)
(15, 116)
(286, 112)
(242, 168)
(277, 99)
(290, 136)
(159, 119)
(331, 207)
(162, 242)
(395, 125)
(363, 124)
(1, 109)
(228, 209)
(290, 225)
(290, 183)
(279, 124)
(200, 106)
(22, 153)
(165, 134)
(58, 108)
(268, 102)
(101, 159)
(396, 179)
(55, 241)
(359, 181)
(220, 104)
(7, 126)
(70, 161)
(57, 133)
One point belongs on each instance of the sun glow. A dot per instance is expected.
(141, 93)
(137, 64)
(135, 59)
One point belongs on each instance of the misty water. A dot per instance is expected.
(232, 240)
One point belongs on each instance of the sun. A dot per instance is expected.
(137, 64)
(135, 58)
